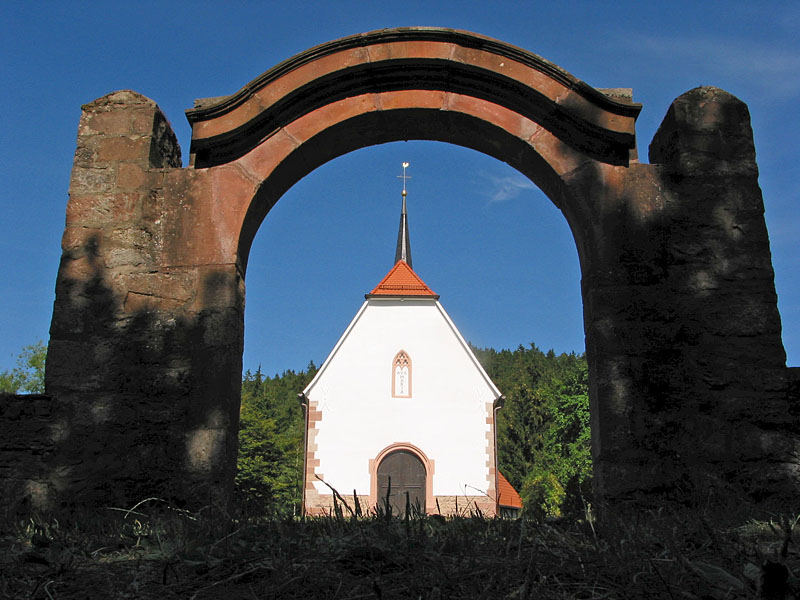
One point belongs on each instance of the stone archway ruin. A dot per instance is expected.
(688, 382)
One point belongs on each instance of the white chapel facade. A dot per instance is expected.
(402, 410)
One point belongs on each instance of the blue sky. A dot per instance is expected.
(494, 247)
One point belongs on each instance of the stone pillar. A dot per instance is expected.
(742, 427)
(145, 354)
(683, 332)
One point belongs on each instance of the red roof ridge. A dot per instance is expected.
(401, 280)
(506, 494)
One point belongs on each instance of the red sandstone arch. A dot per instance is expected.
(429, 465)
(682, 330)
(392, 85)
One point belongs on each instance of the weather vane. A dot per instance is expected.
(404, 177)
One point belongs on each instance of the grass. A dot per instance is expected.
(155, 551)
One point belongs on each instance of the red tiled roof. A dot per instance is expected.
(402, 281)
(506, 494)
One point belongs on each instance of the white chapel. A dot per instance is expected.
(402, 410)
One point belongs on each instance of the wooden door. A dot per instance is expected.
(401, 473)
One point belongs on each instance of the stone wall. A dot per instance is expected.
(27, 440)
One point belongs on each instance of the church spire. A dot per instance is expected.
(403, 251)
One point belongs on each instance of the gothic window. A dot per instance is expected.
(401, 375)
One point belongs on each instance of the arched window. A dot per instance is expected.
(401, 375)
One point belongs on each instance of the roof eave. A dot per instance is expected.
(402, 296)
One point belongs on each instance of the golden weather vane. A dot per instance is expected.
(404, 177)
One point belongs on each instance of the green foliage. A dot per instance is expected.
(543, 430)
(543, 494)
(28, 375)
(269, 478)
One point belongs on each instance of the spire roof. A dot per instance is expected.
(402, 281)
(403, 251)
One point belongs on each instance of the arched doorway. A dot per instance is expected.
(401, 482)
(410, 470)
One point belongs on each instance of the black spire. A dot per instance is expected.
(403, 251)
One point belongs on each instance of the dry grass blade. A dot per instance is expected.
(337, 496)
(654, 555)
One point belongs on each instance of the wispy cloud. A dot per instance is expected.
(508, 187)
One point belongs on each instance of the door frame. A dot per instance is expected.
(427, 463)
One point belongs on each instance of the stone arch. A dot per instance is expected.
(682, 329)
(412, 83)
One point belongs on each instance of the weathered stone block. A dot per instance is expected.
(130, 246)
(131, 176)
(113, 149)
(106, 123)
(99, 210)
(179, 284)
(93, 180)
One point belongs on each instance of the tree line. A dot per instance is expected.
(269, 476)
(543, 437)
(542, 431)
